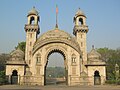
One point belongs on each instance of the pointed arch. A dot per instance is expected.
(80, 21)
(97, 78)
(96, 73)
(14, 73)
(32, 20)
(14, 77)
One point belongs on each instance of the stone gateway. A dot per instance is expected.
(80, 68)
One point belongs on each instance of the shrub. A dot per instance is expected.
(111, 82)
(2, 77)
(117, 82)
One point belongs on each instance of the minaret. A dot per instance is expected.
(80, 30)
(32, 30)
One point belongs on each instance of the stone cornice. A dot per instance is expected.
(32, 28)
(95, 65)
(14, 62)
(80, 28)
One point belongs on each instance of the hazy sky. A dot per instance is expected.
(56, 59)
(103, 20)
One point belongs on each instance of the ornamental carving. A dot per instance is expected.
(56, 36)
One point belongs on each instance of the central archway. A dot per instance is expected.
(71, 58)
(54, 78)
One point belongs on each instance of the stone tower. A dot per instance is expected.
(80, 30)
(32, 30)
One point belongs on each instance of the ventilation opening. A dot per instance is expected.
(32, 20)
(80, 21)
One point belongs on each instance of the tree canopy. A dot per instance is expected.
(21, 46)
(111, 57)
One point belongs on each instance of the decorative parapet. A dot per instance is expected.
(32, 28)
(80, 28)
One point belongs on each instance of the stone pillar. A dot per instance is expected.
(103, 79)
(18, 79)
(9, 79)
(69, 80)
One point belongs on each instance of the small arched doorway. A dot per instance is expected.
(58, 73)
(80, 21)
(97, 78)
(14, 77)
(32, 20)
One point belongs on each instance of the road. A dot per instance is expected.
(59, 87)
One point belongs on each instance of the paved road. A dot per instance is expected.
(16, 87)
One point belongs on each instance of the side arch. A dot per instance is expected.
(14, 77)
(97, 78)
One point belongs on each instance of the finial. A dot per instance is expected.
(92, 46)
(56, 26)
(33, 6)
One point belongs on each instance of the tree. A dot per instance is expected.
(21, 46)
(111, 57)
(3, 59)
(104, 53)
(2, 77)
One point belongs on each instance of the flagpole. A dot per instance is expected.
(56, 17)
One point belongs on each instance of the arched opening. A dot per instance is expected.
(97, 78)
(14, 77)
(80, 21)
(55, 71)
(32, 20)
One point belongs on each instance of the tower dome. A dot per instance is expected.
(33, 11)
(94, 55)
(94, 58)
(17, 57)
(17, 54)
(79, 13)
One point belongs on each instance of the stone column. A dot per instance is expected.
(9, 79)
(18, 79)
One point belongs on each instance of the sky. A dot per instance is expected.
(103, 20)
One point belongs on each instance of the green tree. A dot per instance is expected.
(2, 77)
(104, 53)
(111, 57)
(55, 72)
(3, 59)
(21, 46)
